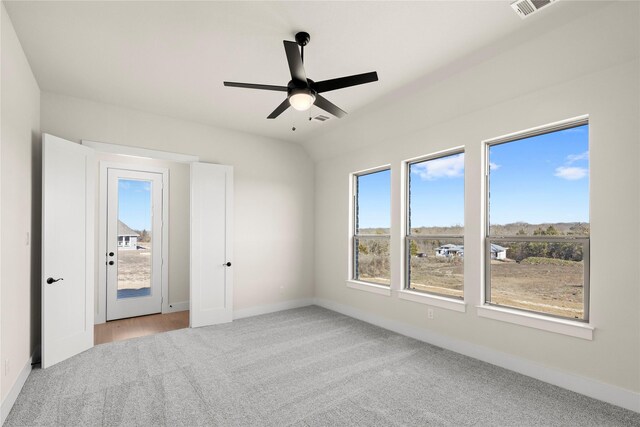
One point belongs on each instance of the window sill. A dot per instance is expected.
(434, 300)
(369, 287)
(537, 321)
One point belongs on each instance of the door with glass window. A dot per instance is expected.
(134, 243)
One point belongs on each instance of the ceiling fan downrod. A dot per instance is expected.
(302, 38)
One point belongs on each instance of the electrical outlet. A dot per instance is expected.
(430, 313)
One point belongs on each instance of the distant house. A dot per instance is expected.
(127, 238)
(498, 252)
(450, 250)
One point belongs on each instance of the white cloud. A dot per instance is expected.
(446, 167)
(572, 158)
(570, 173)
(494, 166)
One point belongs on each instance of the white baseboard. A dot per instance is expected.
(587, 386)
(8, 402)
(271, 308)
(177, 306)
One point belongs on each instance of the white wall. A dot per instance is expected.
(19, 197)
(274, 183)
(588, 66)
(179, 175)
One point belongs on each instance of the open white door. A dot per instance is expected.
(68, 205)
(211, 227)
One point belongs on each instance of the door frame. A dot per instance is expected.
(121, 308)
(101, 309)
(179, 158)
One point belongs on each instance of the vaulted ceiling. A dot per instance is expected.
(171, 58)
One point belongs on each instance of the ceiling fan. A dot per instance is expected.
(302, 92)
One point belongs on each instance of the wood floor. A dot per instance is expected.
(124, 329)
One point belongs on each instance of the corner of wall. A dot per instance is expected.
(19, 215)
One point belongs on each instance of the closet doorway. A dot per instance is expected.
(74, 297)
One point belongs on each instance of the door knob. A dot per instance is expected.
(228, 264)
(111, 263)
(51, 280)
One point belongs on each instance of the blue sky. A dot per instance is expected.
(134, 203)
(437, 192)
(374, 200)
(544, 178)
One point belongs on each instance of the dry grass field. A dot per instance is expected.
(550, 288)
(134, 268)
(546, 285)
(548, 277)
(440, 275)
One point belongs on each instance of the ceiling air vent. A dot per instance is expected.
(525, 8)
(321, 118)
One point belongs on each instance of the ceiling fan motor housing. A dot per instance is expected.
(294, 85)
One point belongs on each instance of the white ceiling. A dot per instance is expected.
(171, 58)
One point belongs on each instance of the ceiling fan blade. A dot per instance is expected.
(280, 109)
(295, 61)
(322, 102)
(256, 86)
(342, 82)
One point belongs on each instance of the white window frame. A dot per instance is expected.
(424, 297)
(580, 328)
(352, 281)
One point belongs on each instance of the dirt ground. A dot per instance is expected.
(134, 268)
(440, 275)
(551, 289)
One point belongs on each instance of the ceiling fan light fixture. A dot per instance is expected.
(302, 100)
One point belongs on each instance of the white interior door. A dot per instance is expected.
(134, 243)
(68, 235)
(211, 296)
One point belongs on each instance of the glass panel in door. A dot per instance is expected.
(135, 219)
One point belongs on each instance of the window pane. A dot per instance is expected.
(372, 260)
(437, 266)
(436, 207)
(546, 277)
(539, 182)
(436, 196)
(373, 214)
(134, 238)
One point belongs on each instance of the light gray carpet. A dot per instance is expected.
(308, 366)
